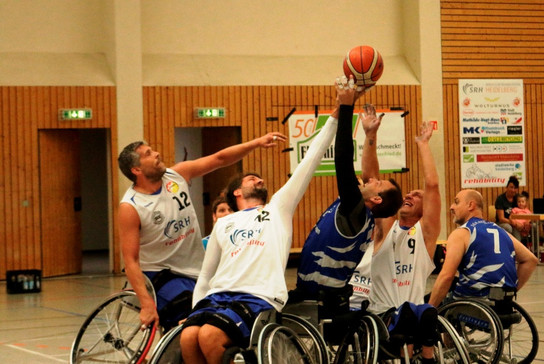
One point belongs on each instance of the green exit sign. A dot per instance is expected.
(209, 112)
(75, 114)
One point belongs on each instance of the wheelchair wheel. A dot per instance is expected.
(479, 328)
(520, 339)
(112, 333)
(168, 350)
(450, 348)
(360, 345)
(281, 345)
(309, 335)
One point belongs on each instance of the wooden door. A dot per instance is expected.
(60, 201)
(213, 140)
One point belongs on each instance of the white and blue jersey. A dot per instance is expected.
(170, 236)
(488, 262)
(329, 257)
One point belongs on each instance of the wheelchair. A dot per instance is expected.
(497, 330)
(270, 342)
(362, 338)
(112, 332)
(448, 349)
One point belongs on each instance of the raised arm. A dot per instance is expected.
(225, 157)
(291, 193)
(370, 168)
(430, 220)
(348, 186)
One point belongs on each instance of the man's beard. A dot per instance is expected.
(258, 193)
(156, 174)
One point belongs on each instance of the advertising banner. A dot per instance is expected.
(491, 122)
(304, 126)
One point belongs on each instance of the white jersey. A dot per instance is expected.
(169, 231)
(361, 280)
(400, 269)
(248, 250)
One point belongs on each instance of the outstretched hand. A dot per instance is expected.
(425, 132)
(346, 90)
(371, 122)
(271, 139)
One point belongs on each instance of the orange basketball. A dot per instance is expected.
(365, 63)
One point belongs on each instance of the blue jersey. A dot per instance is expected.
(488, 262)
(328, 257)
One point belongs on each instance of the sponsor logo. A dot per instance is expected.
(175, 226)
(172, 187)
(468, 158)
(514, 130)
(493, 180)
(483, 129)
(469, 88)
(241, 235)
(471, 140)
(180, 238)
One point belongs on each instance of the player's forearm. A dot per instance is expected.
(430, 174)
(296, 186)
(440, 289)
(236, 152)
(370, 167)
(525, 270)
(348, 186)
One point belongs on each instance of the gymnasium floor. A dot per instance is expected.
(40, 327)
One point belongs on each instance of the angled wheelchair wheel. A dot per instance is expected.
(112, 333)
(309, 335)
(281, 345)
(168, 349)
(359, 345)
(479, 328)
(520, 338)
(450, 348)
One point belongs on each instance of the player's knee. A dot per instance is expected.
(189, 338)
(211, 338)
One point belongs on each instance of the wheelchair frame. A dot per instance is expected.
(486, 338)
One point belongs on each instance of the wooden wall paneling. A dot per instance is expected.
(13, 251)
(34, 106)
(25, 110)
(3, 176)
(26, 189)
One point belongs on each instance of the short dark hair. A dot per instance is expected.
(513, 180)
(218, 201)
(391, 201)
(129, 158)
(233, 185)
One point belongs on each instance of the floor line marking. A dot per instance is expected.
(36, 353)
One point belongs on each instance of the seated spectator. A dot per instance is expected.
(504, 205)
(523, 226)
(220, 208)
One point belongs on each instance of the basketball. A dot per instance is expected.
(365, 63)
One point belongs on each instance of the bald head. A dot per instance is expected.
(476, 197)
(467, 204)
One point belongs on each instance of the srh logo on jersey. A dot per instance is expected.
(175, 226)
(241, 235)
(172, 187)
